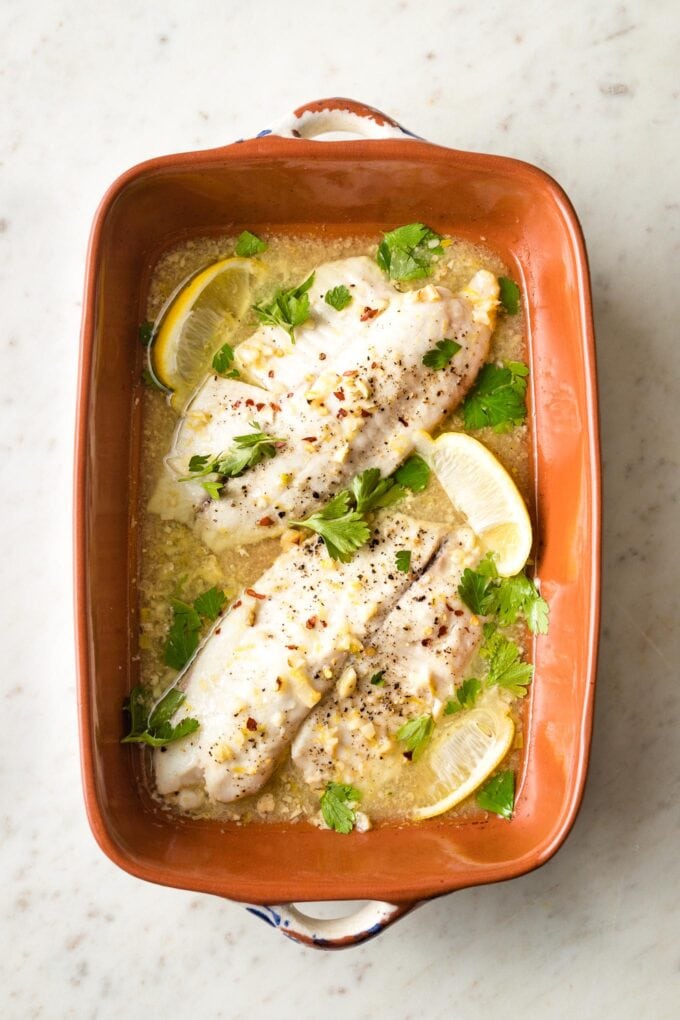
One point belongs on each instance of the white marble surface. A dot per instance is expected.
(590, 93)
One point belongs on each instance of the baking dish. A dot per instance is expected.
(286, 179)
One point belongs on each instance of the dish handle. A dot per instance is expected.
(337, 932)
(337, 114)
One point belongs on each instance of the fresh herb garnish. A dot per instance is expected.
(415, 735)
(338, 297)
(378, 679)
(249, 244)
(498, 397)
(406, 253)
(341, 523)
(223, 360)
(145, 333)
(498, 795)
(154, 728)
(211, 603)
(506, 668)
(485, 593)
(441, 354)
(184, 633)
(247, 451)
(404, 560)
(466, 696)
(342, 528)
(509, 293)
(414, 474)
(335, 806)
(288, 308)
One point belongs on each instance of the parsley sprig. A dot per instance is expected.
(247, 451)
(153, 727)
(498, 398)
(287, 309)
(342, 523)
(414, 474)
(509, 294)
(508, 598)
(506, 668)
(249, 244)
(441, 354)
(406, 253)
(415, 735)
(338, 297)
(337, 806)
(223, 360)
(498, 795)
(187, 620)
(466, 696)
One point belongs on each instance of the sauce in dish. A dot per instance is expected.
(334, 604)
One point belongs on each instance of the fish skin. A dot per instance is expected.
(250, 690)
(359, 410)
(342, 736)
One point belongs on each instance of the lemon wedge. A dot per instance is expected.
(464, 752)
(482, 490)
(197, 320)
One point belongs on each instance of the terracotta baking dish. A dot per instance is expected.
(284, 179)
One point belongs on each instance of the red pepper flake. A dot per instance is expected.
(322, 356)
(323, 623)
(275, 407)
(340, 394)
(251, 724)
(237, 604)
(403, 422)
(365, 413)
(255, 594)
(342, 413)
(292, 648)
(265, 522)
(351, 372)
(458, 612)
(374, 364)
(236, 404)
(270, 373)
(259, 406)
(450, 608)
(311, 623)
(368, 313)
(426, 642)
(442, 631)
(309, 439)
(250, 403)
(218, 630)
(279, 683)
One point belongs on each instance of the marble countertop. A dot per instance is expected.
(589, 93)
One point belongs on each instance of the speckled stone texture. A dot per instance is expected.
(589, 93)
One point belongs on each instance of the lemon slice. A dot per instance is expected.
(196, 321)
(463, 753)
(480, 488)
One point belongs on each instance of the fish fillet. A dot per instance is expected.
(358, 407)
(278, 650)
(424, 646)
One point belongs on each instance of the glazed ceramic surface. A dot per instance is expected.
(285, 181)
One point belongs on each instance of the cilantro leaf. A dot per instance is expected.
(498, 795)
(210, 604)
(338, 297)
(370, 491)
(145, 333)
(406, 253)
(223, 359)
(466, 696)
(183, 636)
(248, 451)
(335, 806)
(415, 735)
(441, 354)
(249, 244)
(155, 728)
(287, 309)
(498, 397)
(477, 592)
(404, 560)
(378, 679)
(509, 293)
(414, 474)
(506, 668)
